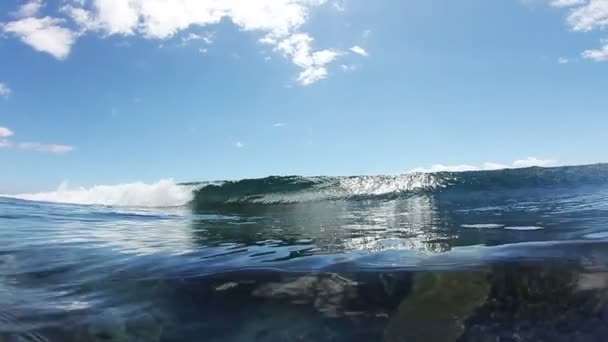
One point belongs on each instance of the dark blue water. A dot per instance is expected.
(516, 255)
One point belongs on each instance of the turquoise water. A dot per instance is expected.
(513, 255)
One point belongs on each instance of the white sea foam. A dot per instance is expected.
(483, 226)
(599, 235)
(164, 193)
(524, 228)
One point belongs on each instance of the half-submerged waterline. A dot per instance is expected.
(517, 255)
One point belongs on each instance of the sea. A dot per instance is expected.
(505, 255)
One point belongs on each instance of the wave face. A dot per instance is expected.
(164, 193)
(295, 189)
(298, 189)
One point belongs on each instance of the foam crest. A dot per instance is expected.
(164, 193)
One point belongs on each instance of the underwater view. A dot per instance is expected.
(507, 255)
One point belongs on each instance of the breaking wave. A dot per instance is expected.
(164, 193)
(297, 189)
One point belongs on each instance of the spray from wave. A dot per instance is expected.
(164, 193)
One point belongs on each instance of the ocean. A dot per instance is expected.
(506, 255)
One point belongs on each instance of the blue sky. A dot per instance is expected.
(113, 91)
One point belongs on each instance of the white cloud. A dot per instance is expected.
(279, 124)
(5, 91)
(297, 47)
(359, 50)
(533, 161)
(43, 34)
(312, 75)
(528, 162)
(349, 67)
(162, 19)
(339, 5)
(107, 16)
(563, 60)
(239, 144)
(51, 148)
(279, 22)
(567, 3)
(29, 9)
(585, 15)
(5, 132)
(208, 38)
(598, 55)
(459, 168)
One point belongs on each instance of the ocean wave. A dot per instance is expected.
(164, 193)
(295, 189)
(299, 189)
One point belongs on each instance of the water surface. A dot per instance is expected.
(513, 255)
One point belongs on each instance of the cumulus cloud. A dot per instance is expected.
(588, 15)
(5, 91)
(239, 144)
(584, 16)
(563, 60)
(29, 9)
(279, 124)
(6, 133)
(460, 167)
(359, 50)
(598, 55)
(533, 161)
(279, 22)
(567, 3)
(528, 162)
(43, 34)
(297, 47)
